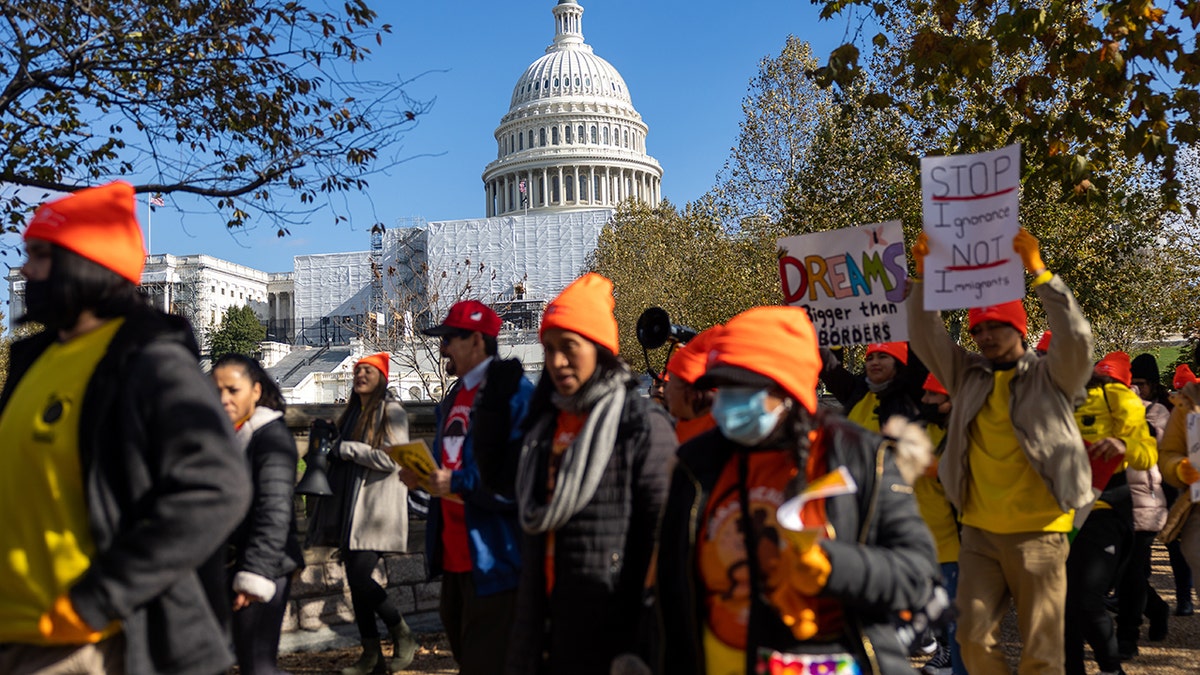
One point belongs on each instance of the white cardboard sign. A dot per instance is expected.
(970, 205)
(850, 281)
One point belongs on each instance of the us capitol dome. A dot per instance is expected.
(571, 139)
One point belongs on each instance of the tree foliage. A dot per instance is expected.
(250, 103)
(685, 262)
(1101, 82)
(240, 332)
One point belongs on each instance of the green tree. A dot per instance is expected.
(247, 103)
(240, 332)
(685, 262)
(856, 163)
(1100, 82)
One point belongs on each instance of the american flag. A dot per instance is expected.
(521, 186)
(156, 200)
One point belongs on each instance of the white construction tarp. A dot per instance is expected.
(332, 284)
(539, 253)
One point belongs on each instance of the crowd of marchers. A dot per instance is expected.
(727, 524)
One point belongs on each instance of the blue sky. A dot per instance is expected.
(687, 66)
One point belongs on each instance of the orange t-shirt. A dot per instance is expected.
(721, 551)
(566, 429)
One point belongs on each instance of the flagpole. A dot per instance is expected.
(149, 226)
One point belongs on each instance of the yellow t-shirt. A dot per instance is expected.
(935, 509)
(1004, 493)
(45, 543)
(865, 413)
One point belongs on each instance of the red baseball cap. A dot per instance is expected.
(469, 315)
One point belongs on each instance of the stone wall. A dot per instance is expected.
(319, 613)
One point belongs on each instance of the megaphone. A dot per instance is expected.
(654, 329)
(320, 443)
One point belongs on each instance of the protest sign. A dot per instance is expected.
(850, 281)
(970, 210)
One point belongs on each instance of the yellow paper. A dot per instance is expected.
(799, 534)
(416, 457)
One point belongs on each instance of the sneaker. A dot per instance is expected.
(940, 663)
(924, 645)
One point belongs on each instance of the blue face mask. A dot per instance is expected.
(741, 414)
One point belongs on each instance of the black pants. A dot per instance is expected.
(368, 598)
(1134, 593)
(256, 632)
(1097, 556)
(477, 627)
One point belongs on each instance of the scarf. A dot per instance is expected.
(583, 462)
(878, 387)
(261, 417)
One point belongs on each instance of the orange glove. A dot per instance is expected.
(1187, 473)
(1026, 245)
(796, 610)
(61, 625)
(920, 249)
(809, 571)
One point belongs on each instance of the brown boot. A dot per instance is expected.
(404, 647)
(371, 660)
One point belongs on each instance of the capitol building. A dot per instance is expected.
(569, 149)
(571, 138)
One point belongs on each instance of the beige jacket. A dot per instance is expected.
(380, 518)
(1173, 448)
(1044, 393)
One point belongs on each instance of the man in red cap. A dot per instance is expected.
(118, 470)
(472, 535)
(1014, 464)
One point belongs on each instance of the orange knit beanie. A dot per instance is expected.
(778, 343)
(379, 360)
(690, 361)
(585, 307)
(97, 223)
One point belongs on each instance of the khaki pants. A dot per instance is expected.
(1029, 567)
(106, 657)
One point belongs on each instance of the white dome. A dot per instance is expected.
(572, 73)
(571, 138)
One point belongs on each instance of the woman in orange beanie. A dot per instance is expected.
(892, 383)
(746, 585)
(368, 512)
(591, 480)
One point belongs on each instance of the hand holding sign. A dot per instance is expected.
(1026, 245)
(970, 213)
(920, 249)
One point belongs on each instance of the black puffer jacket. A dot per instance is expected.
(266, 543)
(601, 556)
(165, 487)
(885, 561)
